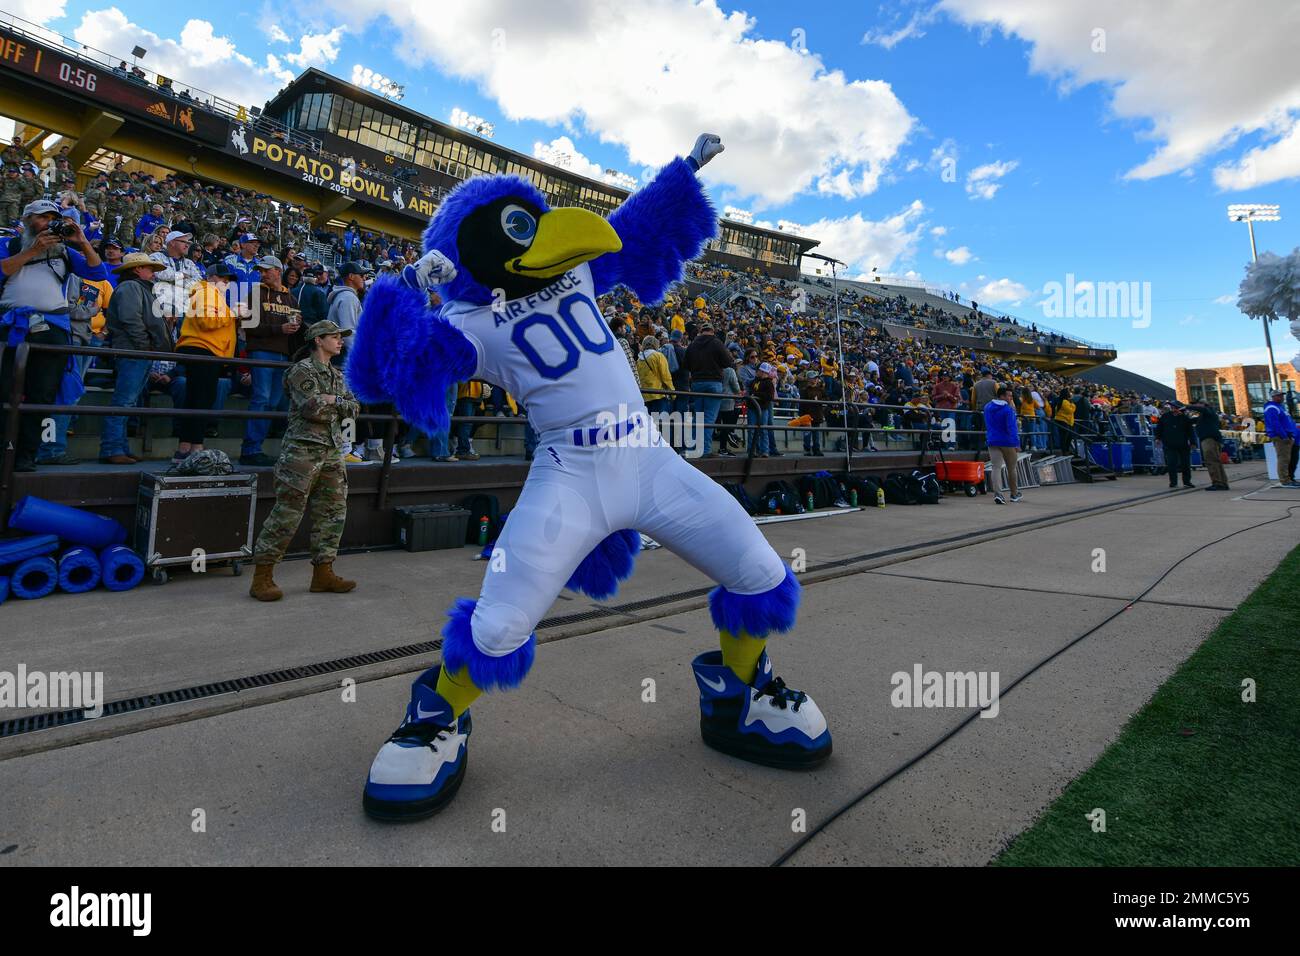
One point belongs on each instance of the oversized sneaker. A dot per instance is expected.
(765, 722)
(419, 769)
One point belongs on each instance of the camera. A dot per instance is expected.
(64, 229)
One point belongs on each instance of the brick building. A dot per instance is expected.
(1232, 387)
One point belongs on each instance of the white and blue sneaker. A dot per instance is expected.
(421, 766)
(765, 722)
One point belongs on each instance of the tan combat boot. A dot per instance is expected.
(263, 587)
(323, 578)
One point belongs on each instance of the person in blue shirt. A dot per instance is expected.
(149, 222)
(1003, 439)
(41, 301)
(1282, 432)
(244, 265)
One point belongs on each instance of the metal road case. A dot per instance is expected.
(177, 514)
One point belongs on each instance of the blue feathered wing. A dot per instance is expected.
(663, 225)
(404, 353)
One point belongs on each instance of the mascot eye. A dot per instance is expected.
(519, 224)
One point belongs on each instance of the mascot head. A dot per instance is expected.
(500, 234)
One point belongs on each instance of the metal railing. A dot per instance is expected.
(860, 420)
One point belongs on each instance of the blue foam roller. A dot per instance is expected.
(79, 571)
(20, 549)
(120, 568)
(72, 524)
(34, 578)
(4, 588)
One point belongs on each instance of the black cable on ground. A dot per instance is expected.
(808, 837)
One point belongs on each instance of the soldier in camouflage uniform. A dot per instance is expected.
(114, 213)
(310, 468)
(96, 195)
(11, 197)
(30, 185)
(64, 177)
(16, 154)
(132, 209)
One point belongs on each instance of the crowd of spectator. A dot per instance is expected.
(162, 252)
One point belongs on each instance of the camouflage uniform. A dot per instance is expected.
(114, 213)
(64, 179)
(31, 187)
(11, 198)
(95, 195)
(311, 466)
(16, 155)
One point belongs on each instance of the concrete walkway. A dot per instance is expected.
(577, 764)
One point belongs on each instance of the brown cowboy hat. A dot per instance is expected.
(136, 260)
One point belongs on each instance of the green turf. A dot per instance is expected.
(1197, 777)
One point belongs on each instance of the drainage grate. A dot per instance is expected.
(26, 725)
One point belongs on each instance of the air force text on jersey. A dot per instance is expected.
(518, 308)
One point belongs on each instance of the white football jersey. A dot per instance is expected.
(554, 352)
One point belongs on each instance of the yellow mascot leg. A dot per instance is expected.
(741, 652)
(458, 690)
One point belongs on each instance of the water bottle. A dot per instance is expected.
(482, 530)
(811, 506)
(880, 497)
(853, 497)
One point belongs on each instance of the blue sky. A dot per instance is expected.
(991, 146)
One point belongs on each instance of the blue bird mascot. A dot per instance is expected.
(519, 282)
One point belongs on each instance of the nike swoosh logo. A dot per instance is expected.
(720, 686)
(422, 714)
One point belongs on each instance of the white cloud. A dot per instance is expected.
(959, 256)
(317, 49)
(982, 181)
(1200, 73)
(37, 11)
(998, 291)
(277, 69)
(561, 151)
(913, 29)
(199, 58)
(650, 75)
(864, 243)
(1230, 299)
(1263, 164)
(277, 35)
(939, 231)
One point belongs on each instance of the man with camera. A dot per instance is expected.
(42, 301)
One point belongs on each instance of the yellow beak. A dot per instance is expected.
(565, 238)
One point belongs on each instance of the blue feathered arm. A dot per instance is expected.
(610, 562)
(406, 354)
(663, 225)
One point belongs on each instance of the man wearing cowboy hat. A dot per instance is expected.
(134, 322)
(41, 301)
(310, 468)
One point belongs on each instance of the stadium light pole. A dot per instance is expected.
(1251, 213)
(839, 345)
